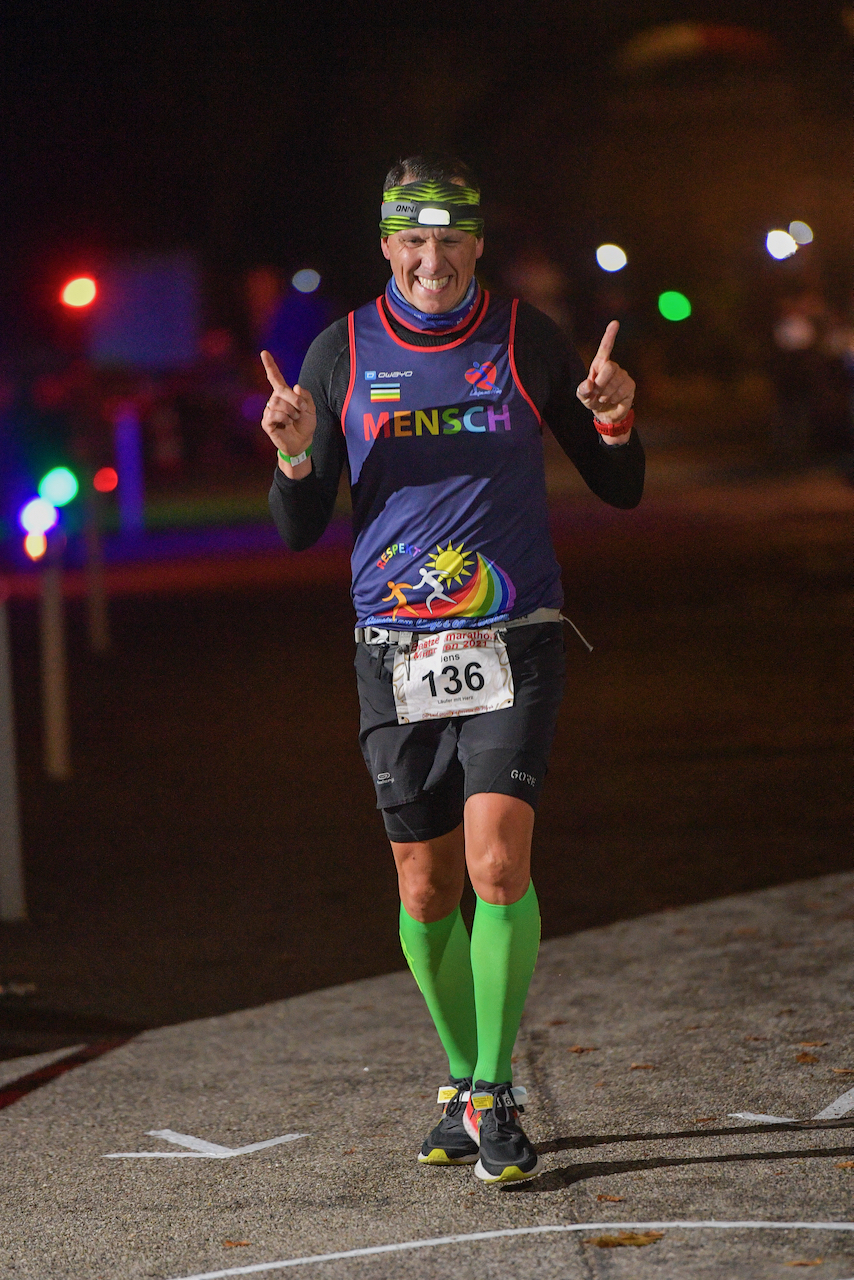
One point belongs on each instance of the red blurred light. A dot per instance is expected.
(79, 292)
(105, 479)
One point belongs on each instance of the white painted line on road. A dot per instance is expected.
(749, 1115)
(840, 1107)
(257, 1267)
(199, 1147)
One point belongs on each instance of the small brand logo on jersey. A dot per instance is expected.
(370, 375)
(384, 779)
(482, 377)
(385, 391)
(523, 777)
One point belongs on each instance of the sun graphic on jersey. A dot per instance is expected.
(452, 564)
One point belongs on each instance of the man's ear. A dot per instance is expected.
(479, 250)
(385, 248)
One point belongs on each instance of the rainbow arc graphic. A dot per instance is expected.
(488, 591)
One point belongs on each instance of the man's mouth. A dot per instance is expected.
(429, 282)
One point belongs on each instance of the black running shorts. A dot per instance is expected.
(424, 772)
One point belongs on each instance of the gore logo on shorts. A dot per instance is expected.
(519, 776)
(383, 779)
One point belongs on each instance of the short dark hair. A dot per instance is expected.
(434, 166)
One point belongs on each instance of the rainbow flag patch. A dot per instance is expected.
(385, 391)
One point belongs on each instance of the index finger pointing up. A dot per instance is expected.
(607, 343)
(274, 373)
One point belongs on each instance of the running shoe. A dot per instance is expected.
(492, 1119)
(449, 1143)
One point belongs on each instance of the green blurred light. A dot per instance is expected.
(59, 486)
(674, 305)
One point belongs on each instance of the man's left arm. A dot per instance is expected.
(568, 396)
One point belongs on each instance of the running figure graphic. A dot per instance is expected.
(397, 594)
(434, 580)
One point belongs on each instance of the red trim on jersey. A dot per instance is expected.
(446, 346)
(512, 355)
(351, 337)
(401, 319)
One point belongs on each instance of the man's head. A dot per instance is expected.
(432, 234)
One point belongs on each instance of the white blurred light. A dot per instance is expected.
(780, 244)
(801, 232)
(306, 281)
(38, 516)
(611, 257)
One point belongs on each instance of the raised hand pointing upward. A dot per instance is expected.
(607, 390)
(289, 417)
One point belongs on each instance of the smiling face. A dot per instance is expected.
(432, 266)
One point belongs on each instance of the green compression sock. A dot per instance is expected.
(504, 945)
(438, 955)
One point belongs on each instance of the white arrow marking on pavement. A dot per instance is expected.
(257, 1267)
(840, 1107)
(199, 1148)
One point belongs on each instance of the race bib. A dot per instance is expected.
(452, 673)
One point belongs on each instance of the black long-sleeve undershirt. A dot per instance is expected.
(549, 369)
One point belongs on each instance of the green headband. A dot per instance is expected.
(431, 204)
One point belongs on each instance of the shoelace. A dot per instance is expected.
(504, 1108)
(458, 1102)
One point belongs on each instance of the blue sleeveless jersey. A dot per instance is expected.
(446, 468)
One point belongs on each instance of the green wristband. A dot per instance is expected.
(297, 458)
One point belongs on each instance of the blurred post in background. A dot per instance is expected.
(12, 899)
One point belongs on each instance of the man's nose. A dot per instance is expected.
(431, 256)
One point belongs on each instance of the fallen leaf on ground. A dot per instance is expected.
(351, 1151)
(611, 1199)
(813, 1044)
(557, 1022)
(807, 1057)
(748, 932)
(843, 1071)
(235, 1244)
(781, 1012)
(637, 1238)
(756, 1037)
(703, 1119)
(805, 1262)
(583, 1048)
(642, 1066)
(845, 1164)
(600, 1084)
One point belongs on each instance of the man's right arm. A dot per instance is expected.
(303, 508)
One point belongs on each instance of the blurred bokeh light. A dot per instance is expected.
(611, 257)
(105, 479)
(59, 486)
(801, 232)
(35, 545)
(780, 244)
(306, 281)
(79, 292)
(674, 305)
(37, 516)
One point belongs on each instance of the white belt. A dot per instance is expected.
(406, 639)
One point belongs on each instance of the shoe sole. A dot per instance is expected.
(512, 1173)
(440, 1157)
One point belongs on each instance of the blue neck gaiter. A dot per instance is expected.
(421, 319)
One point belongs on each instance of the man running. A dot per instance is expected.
(459, 696)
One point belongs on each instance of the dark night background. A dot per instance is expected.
(259, 132)
(216, 846)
